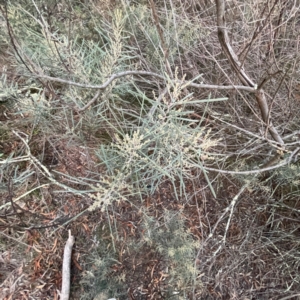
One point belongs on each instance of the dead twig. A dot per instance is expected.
(66, 273)
(264, 169)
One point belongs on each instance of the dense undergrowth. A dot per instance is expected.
(125, 122)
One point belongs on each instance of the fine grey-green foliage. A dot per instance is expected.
(8, 91)
(179, 36)
(176, 244)
(57, 55)
(151, 140)
(148, 132)
(100, 278)
(290, 173)
(108, 190)
(21, 101)
(67, 55)
(141, 27)
(288, 177)
(169, 237)
(165, 145)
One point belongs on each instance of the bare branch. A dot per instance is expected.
(138, 73)
(90, 102)
(250, 171)
(237, 66)
(224, 41)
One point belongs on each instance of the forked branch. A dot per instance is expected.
(238, 68)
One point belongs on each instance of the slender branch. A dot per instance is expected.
(250, 171)
(101, 86)
(237, 66)
(230, 208)
(262, 138)
(294, 155)
(290, 296)
(12, 40)
(23, 195)
(264, 109)
(224, 87)
(17, 48)
(90, 102)
(145, 73)
(13, 160)
(43, 169)
(224, 41)
(16, 240)
(259, 28)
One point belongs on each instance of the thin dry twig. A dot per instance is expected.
(284, 163)
(42, 168)
(90, 102)
(230, 208)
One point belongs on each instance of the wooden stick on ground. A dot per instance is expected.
(66, 272)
